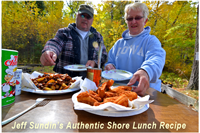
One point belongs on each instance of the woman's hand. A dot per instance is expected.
(109, 67)
(143, 78)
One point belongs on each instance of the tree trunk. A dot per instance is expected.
(194, 77)
(111, 13)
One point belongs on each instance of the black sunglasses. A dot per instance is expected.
(136, 18)
(85, 16)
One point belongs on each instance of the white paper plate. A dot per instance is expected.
(114, 113)
(76, 67)
(53, 92)
(111, 112)
(118, 113)
(117, 75)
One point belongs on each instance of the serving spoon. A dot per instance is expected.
(99, 55)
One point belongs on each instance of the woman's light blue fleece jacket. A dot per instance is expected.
(140, 52)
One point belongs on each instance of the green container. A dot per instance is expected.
(9, 60)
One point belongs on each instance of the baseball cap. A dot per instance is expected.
(86, 9)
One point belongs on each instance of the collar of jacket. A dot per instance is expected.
(73, 25)
(126, 34)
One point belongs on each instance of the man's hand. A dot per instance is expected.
(48, 58)
(90, 63)
(109, 67)
(142, 77)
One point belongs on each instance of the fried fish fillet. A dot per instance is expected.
(109, 83)
(101, 90)
(119, 95)
(110, 99)
(84, 97)
(120, 89)
(110, 94)
(122, 100)
(94, 95)
(131, 95)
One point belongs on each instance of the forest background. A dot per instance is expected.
(28, 25)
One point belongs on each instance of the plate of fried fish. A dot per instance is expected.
(110, 100)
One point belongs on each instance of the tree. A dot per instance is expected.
(109, 21)
(194, 78)
(176, 30)
(73, 6)
(27, 26)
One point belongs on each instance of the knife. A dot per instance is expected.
(83, 67)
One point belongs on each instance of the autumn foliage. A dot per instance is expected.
(27, 26)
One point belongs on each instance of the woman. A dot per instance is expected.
(138, 51)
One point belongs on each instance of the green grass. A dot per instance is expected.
(179, 83)
(48, 69)
(174, 79)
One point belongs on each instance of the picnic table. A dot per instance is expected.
(165, 114)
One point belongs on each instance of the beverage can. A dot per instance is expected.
(9, 60)
(94, 74)
(18, 78)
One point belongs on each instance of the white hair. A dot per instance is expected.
(136, 6)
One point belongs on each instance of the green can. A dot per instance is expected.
(9, 60)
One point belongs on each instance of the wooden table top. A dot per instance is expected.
(164, 115)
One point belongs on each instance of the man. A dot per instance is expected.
(74, 44)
